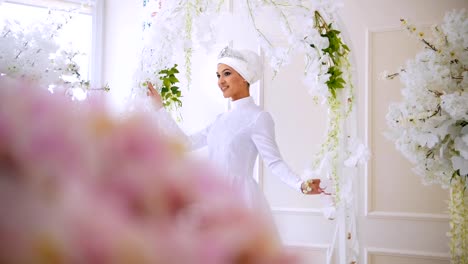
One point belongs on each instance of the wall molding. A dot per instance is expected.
(307, 246)
(296, 210)
(404, 253)
(368, 138)
(407, 216)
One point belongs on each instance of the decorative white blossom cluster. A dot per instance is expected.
(297, 15)
(31, 52)
(430, 125)
(172, 29)
(187, 24)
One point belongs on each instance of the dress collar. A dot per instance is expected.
(242, 102)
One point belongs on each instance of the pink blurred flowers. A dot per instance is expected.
(79, 186)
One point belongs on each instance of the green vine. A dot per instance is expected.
(188, 37)
(331, 144)
(220, 4)
(336, 51)
(170, 93)
(340, 77)
(458, 221)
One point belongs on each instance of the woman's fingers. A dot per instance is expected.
(151, 89)
(313, 187)
(155, 96)
(322, 190)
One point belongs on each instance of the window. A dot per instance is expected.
(82, 32)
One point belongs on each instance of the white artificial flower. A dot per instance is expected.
(314, 38)
(316, 77)
(456, 105)
(327, 7)
(425, 139)
(321, 170)
(461, 164)
(358, 153)
(317, 86)
(455, 27)
(31, 52)
(204, 31)
(429, 125)
(279, 56)
(461, 145)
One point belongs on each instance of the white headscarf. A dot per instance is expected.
(246, 62)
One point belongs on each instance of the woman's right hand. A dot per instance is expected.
(312, 186)
(155, 96)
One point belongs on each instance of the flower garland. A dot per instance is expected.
(333, 84)
(430, 126)
(32, 52)
(172, 20)
(335, 61)
(328, 78)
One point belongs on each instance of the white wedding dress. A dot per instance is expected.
(234, 139)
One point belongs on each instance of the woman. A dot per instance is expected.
(236, 137)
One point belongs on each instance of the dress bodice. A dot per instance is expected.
(230, 143)
(235, 139)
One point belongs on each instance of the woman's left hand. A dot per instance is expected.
(312, 186)
(155, 96)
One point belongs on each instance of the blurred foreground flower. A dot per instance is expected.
(78, 186)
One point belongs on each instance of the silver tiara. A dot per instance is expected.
(230, 53)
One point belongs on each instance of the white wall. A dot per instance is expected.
(393, 215)
(122, 32)
(122, 45)
(400, 219)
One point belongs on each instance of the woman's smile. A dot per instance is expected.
(231, 83)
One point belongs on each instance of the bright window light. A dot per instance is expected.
(77, 33)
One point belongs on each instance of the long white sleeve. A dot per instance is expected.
(264, 138)
(167, 124)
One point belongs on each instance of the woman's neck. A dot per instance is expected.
(240, 97)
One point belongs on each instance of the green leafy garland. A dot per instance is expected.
(188, 37)
(340, 105)
(170, 93)
(337, 52)
(339, 68)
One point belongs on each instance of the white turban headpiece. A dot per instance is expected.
(246, 62)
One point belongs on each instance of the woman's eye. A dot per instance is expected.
(227, 73)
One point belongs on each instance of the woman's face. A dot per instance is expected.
(231, 83)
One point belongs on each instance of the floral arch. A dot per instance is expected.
(311, 29)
